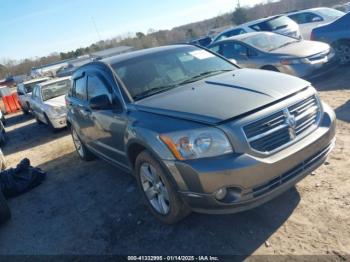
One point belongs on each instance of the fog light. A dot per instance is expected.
(221, 193)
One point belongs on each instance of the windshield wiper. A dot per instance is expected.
(162, 89)
(154, 91)
(203, 75)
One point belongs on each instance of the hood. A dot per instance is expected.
(223, 96)
(302, 48)
(56, 101)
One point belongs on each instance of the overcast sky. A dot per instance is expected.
(32, 28)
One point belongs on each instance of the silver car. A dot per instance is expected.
(48, 102)
(24, 91)
(270, 51)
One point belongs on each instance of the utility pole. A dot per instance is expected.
(98, 33)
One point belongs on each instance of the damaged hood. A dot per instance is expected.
(221, 97)
(56, 101)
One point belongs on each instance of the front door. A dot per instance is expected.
(107, 134)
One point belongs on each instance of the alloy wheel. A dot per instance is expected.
(343, 51)
(155, 189)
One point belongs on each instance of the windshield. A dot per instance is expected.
(273, 24)
(268, 41)
(30, 86)
(331, 12)
(160, 71)
(55, 89)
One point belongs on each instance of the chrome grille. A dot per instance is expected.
(278, 129)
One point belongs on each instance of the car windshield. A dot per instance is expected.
(272, 24)
(268, 41)
(30, 86)
(331, 12)
(157, 72)
(55, 89)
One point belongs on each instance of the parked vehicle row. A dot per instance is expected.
(320, 24)
(311, 18)
(199, 133)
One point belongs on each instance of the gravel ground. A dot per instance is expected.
(94, 208)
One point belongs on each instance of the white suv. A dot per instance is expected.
(308, 19)
(279, 24)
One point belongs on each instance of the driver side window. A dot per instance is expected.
(97, 87)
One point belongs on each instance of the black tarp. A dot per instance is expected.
(15, 181)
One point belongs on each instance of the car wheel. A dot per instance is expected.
(38, 121)
(343, 52)
(52, 128)
(81, 149)
(159, 193)
(5, 213)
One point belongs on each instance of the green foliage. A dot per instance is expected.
(240, 16)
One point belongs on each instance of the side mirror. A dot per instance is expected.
(101, 102)
(233, 61)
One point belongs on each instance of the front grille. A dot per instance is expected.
(297, 170)
(278, 129)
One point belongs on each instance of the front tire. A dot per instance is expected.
(83, 152)
(159, 193)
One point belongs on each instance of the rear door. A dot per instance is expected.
(107, 133)
(237, 51)
(80, 108)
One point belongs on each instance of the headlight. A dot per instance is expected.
(198, 143)
(294, 61)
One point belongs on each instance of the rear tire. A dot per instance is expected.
(158, 191)
(83, 152)
(5, 213)
(52, 128)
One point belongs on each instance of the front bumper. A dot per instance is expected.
(59, 121)
(251, 180)
(309, 71)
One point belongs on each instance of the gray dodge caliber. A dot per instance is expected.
(199, 133)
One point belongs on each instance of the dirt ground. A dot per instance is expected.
(94, 208)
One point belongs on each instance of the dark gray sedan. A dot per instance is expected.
(275, 52)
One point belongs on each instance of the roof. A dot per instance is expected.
(112, 51)
(36, 80)
(244, 36)
(250, 23)
(55, 80)
(134, 54)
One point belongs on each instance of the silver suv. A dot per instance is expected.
(198, 132)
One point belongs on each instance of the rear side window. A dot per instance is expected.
(79, 89)
(97, 87)
(272, 24)
(306, 17)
